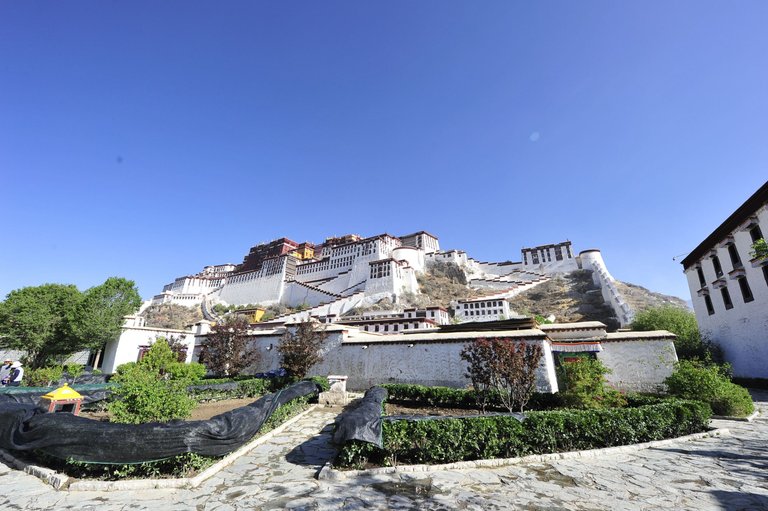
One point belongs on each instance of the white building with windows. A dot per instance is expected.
(480, 309)
(729, 287)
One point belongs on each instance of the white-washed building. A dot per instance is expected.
(729, 287)
(482, 309)
(392, 322)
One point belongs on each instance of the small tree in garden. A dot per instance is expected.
(155, 388)
(226, 351)
(479, 356)
(507, 367)
(301, 349)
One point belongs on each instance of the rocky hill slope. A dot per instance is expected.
(574, 297)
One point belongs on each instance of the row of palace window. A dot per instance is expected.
(380, 270)
(746, 293)
(546, 255)
(733, 253)
(480, 305)
(484, 313)
(385, 328)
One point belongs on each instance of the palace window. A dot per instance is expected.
(735, 259)
(726, 298)
(746, 292)
(765, 273)
(755, 233)
(702, 280)
(708, 303)
(718, 268)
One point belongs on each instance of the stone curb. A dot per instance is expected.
(332, 474)
(63, 482)
(739, 419)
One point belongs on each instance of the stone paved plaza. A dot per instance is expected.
(726, 472)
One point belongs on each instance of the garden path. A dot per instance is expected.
(726, 472)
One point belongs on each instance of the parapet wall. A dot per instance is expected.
(593, 260)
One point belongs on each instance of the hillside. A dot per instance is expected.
(569, 297)
(640, 298)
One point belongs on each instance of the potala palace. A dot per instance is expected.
(362, 290)
(346, 272)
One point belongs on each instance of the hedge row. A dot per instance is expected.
(446, 397)
(252, 387)
(472, 438)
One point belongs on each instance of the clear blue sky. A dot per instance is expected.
(148, 139)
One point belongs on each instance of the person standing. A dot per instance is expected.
(17, 373)
(5, 371)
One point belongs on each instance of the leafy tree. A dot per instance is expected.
(760, 249)
(226, 351)
(689, 343)
(300, 349)
(507, 367)
(153, 389)
(99, 316)
(36, 320)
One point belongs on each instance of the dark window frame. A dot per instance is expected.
(708, 303)
(746, 291)
(726, 298)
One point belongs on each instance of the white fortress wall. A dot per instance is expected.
(295, 293)
(593, 260)
(498, 269)
(336, 285)
(417, 362)
(423, 363)
(491, 284)
(413, 256)
(639, 365)
(264, 286)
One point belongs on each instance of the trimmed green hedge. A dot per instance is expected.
(447, 397)
(472, 438)
(252, 387)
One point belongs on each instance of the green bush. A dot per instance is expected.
(710, 383)
(74, 371)
(583, 385)
(471, 438)
(43, 376)
(192, 371)
(153, 389)
(253, 388)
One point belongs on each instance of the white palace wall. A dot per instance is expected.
(245, 290)
(638, 365)
(294, 294)
(373, 363)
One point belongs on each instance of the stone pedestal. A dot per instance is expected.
(337, 395)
